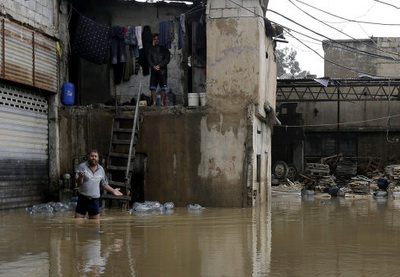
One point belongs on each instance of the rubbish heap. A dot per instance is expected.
(336, 176)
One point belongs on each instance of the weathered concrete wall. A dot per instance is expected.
(237, 72)
(360, 55)
(83, 128)
(353, 115)
(179, 166)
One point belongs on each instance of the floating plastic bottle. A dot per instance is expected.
(60, 207)
(158, 99)
(169, 206)
(153, 204)
(195, 207)
(41, 209)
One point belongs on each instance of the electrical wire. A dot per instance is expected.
(325, 59)
(386, 4)
(346, 19)
(340, 123)
(340, 31)
(346, 47)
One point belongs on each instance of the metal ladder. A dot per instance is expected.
(122, 151)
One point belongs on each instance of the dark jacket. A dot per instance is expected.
(159, 55)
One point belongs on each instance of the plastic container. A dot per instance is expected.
(166, 100)
(193, 99)
(169, 205)
(203, 98)
(158, 99)
(171, 97)
(68, 94)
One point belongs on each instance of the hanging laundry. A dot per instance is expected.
(147, 39)
(92, 41)
(166, 33)
(118, 51)
(181, 30)
(129, 66)
(139, 36)
(131, 40)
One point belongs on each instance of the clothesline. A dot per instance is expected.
(193, 10)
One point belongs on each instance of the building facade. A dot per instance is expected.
(215, 155)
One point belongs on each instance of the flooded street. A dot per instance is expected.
(290, 236)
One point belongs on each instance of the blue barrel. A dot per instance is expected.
(68, 94)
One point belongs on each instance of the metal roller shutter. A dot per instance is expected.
(23, 147)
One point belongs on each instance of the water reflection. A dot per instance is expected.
(211, 242)
(290, 236)
(334, 237)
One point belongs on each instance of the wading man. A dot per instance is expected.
(90, 176)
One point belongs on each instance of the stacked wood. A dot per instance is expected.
(317, 169)
(360, 184)
(393, 171)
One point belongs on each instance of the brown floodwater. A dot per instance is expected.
(289, 236)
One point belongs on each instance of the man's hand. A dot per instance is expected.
(79, 179)
(81, 174)
(117, 192)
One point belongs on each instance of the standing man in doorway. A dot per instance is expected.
(90, 176)
(158, 58)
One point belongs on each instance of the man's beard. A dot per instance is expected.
(92, 162)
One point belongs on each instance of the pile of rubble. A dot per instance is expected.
(321, 179)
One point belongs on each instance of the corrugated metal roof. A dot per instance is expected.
(28, 57)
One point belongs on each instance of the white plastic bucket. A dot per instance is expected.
(203, 99)
(193, 99)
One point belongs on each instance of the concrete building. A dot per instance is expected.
(353, 111)
(377, 56)
(214, 155)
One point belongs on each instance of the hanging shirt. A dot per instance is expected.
(139, 36)
(131, 40)
(166, 33)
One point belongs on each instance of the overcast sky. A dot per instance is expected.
(374, 11)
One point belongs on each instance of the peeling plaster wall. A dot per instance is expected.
(241, 77)
(186, 167)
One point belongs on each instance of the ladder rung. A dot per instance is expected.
(119, 155)
(116, 197)
(114, 167)
(118, 167)
(121, 141)
(116, 183)
(122, 130)
(123, 117)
